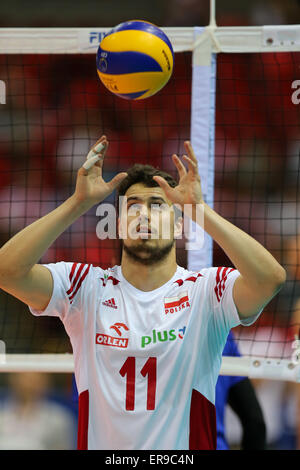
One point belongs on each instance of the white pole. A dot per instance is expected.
(212, 14)
(252, 367)
(37, 363)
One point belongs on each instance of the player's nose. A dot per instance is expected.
(144, 214)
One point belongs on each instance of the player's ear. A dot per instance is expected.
(122, 228)
(178, 227)
(119, 227)
(122, 217)
(178, 221)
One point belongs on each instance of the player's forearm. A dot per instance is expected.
(251, 259)
(25, 248)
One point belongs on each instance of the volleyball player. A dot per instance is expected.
(147, 335)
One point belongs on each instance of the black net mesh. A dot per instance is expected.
(257, 179)
(56, 108)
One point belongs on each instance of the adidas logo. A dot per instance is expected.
(110, 303)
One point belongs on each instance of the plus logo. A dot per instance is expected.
(162, 336)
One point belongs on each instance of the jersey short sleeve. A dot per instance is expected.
(72, 283)
(222, 280)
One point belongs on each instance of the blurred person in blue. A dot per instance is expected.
(31, 418)
(238, 392)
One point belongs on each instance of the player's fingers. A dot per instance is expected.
(190, 151)
(102, 140)
(191, 164)
(82, 171)
(116, 180)
(179, 165)
(163, 184)
(99, 149)
(96, 154)
(90, 162)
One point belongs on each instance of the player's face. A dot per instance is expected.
(146, 224)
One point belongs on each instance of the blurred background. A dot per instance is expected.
(161, 12)
(57, 108)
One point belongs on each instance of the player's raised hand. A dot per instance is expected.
(188, 191)
(90, 185)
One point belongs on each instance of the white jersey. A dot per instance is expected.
(146, 363)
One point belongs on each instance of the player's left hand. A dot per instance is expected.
(188, 191)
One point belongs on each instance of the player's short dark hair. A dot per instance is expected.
(143, 174)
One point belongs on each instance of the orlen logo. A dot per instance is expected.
(161, 336)
(118, 342)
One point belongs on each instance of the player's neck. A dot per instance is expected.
(148, 278)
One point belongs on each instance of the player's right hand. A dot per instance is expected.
(90, 185)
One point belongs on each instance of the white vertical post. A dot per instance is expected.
(212, 13)
(202, 137)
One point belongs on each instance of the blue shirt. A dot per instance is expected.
(224, 383)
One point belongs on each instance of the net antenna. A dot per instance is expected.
(212, 14)
(205, 45)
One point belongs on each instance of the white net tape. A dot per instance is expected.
(252, 367)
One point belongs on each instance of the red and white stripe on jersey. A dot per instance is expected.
(109, 278)
(77, 275)
(190, 278)
(221, 277)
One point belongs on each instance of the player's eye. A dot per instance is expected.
(158, 207)
(132, 209)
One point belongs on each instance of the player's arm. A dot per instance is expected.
(295, 324)
(20, 275)
(261, 276)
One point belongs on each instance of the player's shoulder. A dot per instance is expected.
(214, 276)
(192, 277)
(218, 273)
(107, 276)
(104, 276)
(218, 277)
(77, 271)
(212, 272)
(185, 275)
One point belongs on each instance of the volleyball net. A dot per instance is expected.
(233, 93)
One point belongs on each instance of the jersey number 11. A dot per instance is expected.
(148, 370)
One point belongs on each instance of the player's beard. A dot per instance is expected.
(155, 254)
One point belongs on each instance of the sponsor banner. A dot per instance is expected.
(106, 340)
(162, 336)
